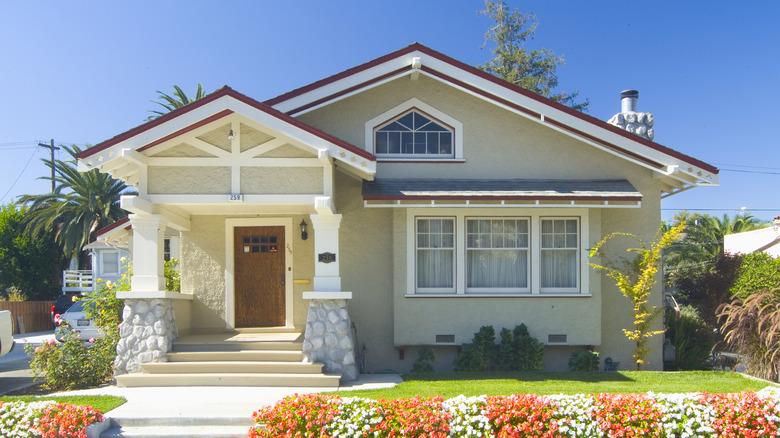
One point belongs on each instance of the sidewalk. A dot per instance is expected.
(214, 401)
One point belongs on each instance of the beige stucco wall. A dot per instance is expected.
(281, 180)
(203, 264)
(497, 144)
(188, 180)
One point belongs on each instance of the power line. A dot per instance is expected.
(20, 174)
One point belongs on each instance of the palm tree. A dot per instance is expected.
(81, 204)
(178, 100)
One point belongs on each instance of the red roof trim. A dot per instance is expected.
(347, 91)
(206, 121)
(225, 91)
(115, 225)
(500, 82)
(500, 197)
(153, 123)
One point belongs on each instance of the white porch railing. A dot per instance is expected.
(76, 281)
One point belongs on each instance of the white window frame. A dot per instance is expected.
(427, 110)
(429, 290)
(534, 273)
(483, 290)
(578, 251)
(108, 254)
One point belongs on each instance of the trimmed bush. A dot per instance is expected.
(584, 360)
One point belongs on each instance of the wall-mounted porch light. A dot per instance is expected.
(304, 234)
(231, 136)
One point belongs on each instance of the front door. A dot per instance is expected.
(259, 276)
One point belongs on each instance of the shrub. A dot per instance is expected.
(692, 339)
(758, 272)
(517, 350)
(479, 354)
(751, 327)
(584, 360)
(529, 350)
(426, 355)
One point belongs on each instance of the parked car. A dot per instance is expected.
(61, 304)
(6, 332)
(76, 318)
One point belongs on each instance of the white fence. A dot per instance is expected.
(76, 281)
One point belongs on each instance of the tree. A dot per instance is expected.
(636, 280)
(178, 100)
(82, 203)
(29, 264)
(534, 70)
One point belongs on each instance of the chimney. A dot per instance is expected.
(629, 119)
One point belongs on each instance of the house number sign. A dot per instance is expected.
(327, 257)
(235, 197)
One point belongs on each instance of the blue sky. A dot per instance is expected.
(81, 72)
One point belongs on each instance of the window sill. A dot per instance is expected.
(421, 160)
(520, 295)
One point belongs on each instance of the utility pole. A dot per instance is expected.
(51, 149)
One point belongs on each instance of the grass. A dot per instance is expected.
(515, 382)
(103, 403)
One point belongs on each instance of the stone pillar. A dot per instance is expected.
(148, 329)
(328, 336)
(148, 241)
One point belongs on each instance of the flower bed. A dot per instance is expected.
(47, 419)
(746, 414)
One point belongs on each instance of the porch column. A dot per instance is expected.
(327, 277)
(148, 327)
(328, 336)
(148, 239)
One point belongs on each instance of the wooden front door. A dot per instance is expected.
(259, 276)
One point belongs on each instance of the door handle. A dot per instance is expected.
(284, 279)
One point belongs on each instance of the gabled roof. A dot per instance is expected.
(677, 170)
(215, 106)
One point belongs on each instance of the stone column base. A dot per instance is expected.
(328, 337)
(146, 333)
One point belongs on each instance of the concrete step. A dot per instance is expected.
(228, 379)
(240, 355)
(177, 432)
(223, 345)
(231, 367)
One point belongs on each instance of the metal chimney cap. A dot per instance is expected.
(629, 93)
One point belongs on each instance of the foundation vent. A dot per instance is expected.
(557, 339)
(445, 339)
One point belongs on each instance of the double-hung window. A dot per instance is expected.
(436, 255)
(497, 255)
(487, 255)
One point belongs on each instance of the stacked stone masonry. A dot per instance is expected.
(328, 338)
(146, 334)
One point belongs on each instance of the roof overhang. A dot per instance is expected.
(123, 153)
(676, 171)
(500, 193)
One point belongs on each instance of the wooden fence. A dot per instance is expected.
(35, 315)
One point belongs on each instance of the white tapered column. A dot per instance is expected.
(148, 239)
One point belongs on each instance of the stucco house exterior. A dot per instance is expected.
(401, 203)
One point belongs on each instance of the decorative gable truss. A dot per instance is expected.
(227, 148)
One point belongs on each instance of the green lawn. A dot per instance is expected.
(103, 403)
(514, 382)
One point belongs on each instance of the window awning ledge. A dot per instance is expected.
(407, 193)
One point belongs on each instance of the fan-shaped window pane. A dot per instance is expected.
(413, 134)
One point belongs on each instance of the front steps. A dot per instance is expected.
(178, 427)
(245, 357)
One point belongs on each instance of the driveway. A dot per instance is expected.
(15, 371)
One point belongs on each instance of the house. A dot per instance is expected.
(401, 203)
(765, 240)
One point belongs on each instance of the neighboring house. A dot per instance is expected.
(109, 255)
(766, 240)
(408, 201)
